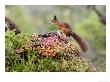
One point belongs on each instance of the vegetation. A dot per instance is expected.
(35, 19)
(20, 56)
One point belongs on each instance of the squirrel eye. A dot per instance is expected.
(52, 21)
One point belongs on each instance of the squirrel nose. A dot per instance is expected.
(50, 22)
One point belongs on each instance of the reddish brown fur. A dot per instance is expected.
(68, 32)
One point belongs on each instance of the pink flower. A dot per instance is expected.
(19, 50)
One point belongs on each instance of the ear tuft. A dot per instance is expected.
(55, 17)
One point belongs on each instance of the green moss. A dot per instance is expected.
(31, 60)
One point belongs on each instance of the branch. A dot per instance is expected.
(101, 16)
(11, 26)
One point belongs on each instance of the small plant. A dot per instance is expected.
(48, 52)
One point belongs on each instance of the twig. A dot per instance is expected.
(11, 26)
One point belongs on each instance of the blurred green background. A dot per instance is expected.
(85, 22)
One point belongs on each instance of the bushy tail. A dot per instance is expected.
(82, 43)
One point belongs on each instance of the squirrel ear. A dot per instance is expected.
(55, 17)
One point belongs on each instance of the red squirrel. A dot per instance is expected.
(65, 27)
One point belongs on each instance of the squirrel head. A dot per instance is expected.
(54, 20)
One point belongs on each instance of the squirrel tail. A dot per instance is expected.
(82, 43)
